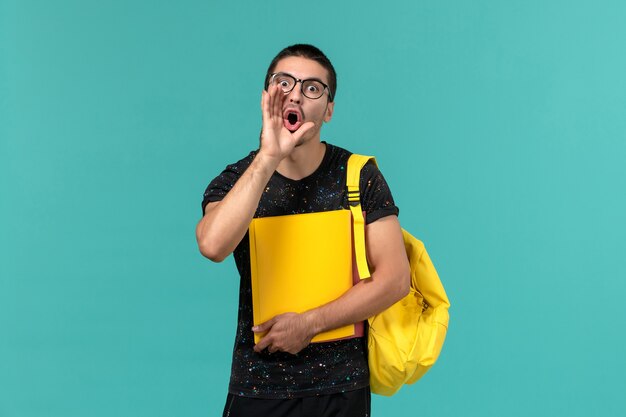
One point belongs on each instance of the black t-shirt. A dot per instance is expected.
(320, 368)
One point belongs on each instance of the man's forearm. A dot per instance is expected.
(291, 332)
(364, 300)
(224, 224)
(389, 282)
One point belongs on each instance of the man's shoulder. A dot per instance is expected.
(343, 155)
(337, 149)
(242, 164)
(337, 154)
(234, 170)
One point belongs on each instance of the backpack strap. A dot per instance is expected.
(355, 164)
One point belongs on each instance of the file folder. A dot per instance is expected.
(300, 262)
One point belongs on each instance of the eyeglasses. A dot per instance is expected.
(311, 88)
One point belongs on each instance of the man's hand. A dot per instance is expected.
(276, 140)
(288, 332)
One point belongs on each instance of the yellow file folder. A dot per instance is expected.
(299, 262)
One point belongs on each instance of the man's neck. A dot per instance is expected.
(303, 161)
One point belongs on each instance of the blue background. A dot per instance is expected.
(500, 127)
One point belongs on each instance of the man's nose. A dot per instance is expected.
(295, 95)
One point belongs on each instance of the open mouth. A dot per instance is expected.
(292, 120)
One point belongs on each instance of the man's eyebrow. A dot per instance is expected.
(304, 79)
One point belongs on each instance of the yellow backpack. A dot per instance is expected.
(405, 340)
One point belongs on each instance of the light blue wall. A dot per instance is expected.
(500, 126)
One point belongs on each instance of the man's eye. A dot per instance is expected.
(283, 83)
(312, 88)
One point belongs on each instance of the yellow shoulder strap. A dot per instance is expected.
(355, 163)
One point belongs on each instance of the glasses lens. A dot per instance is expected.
(285, 81)
(312, 88)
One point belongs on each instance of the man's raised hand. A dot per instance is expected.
(276, 140)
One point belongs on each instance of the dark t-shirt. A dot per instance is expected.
(320, 368)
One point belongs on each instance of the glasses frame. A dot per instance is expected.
(297, 80)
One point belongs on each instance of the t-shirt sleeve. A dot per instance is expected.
(376, 198)
(223, 183)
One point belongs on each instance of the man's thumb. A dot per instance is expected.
(303, 129)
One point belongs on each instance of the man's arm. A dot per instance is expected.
(224, 223)
(390, 280)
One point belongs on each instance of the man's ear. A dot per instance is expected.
(329, 111)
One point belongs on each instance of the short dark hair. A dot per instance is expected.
(309, 52)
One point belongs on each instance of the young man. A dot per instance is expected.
(293, 172)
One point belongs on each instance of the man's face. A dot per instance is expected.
(299, 108)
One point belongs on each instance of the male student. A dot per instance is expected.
(294, 172)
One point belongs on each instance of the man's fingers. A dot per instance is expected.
(263, 327)
(263, 343)
(277, 109)
(265, 106)
(271, 104)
